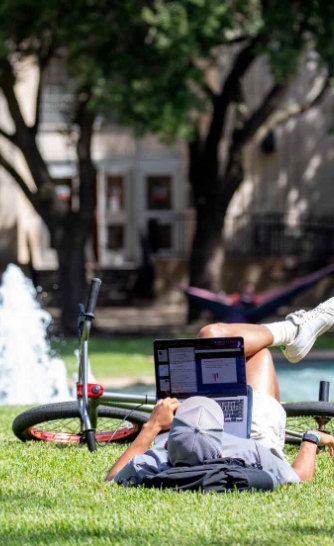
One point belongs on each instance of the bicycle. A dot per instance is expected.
(100, 416)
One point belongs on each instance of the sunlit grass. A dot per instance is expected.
(56, 495)
(131, 357)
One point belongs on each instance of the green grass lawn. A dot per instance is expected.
(53, 495)
(129, 357)
(56, 495)
(111, 357)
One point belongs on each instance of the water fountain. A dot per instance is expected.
(28, 372)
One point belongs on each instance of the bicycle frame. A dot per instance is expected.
(91, 396)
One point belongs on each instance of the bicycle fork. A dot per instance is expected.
(87, 410)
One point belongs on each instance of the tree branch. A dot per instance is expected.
(8, 136)
(236, 39)
(87, 171)
(256, 126)
(234, 171)
(7, 84)
(230, 180)
(258, 117)
(228, 94)
(44, 58)
(19, 180)
(25, 139)
(208, 91)
(83, 96)
(194, 174)
(315, 96)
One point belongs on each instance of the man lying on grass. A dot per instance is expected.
(196, 426)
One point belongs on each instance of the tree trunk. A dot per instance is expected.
(212, 188)
(73, 235)
(72, 279)
(213, 194)
(206, 261)
(207, 250)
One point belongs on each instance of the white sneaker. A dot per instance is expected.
(310, 325)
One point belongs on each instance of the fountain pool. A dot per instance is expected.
(301, 381)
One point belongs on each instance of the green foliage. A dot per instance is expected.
(320, 19)
(136, 64)
(168, 95)
(143, 64)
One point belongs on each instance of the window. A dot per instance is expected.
(115, 237)
(164, 237)
(159, 192)
(57, 99)
(63, 188)
(159, 235)
(115, 194)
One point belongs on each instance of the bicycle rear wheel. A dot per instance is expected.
(303, 416)
(61, 423)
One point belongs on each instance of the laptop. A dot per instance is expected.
(213, 367)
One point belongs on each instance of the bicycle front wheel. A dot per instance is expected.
(61, 423)
(303, 416)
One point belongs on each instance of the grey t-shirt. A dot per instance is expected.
(155, 460)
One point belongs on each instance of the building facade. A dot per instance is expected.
(142, 187)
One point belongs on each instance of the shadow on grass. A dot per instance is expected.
(288, 534)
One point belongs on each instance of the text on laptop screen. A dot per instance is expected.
(200, 366)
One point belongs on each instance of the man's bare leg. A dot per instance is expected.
(295, 335)
(260, 369)
(261, 374)
(256, 336)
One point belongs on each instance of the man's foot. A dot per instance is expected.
(310, 325)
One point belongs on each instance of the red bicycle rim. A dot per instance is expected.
(76, 438)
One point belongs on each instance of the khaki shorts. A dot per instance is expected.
(268, 423)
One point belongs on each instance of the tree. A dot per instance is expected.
(148, 68)
(96, 41)
(190, 35)
(114, 65)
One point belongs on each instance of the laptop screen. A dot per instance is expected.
(200, 366)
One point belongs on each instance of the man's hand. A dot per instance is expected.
(162, 414)
(161, 419)
(327, 440)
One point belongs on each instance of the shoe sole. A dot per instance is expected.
(308, 347)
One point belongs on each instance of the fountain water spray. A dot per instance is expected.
(28, 372)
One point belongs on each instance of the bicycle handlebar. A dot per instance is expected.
(92, 297)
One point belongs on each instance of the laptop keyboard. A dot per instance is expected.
(233, 410)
